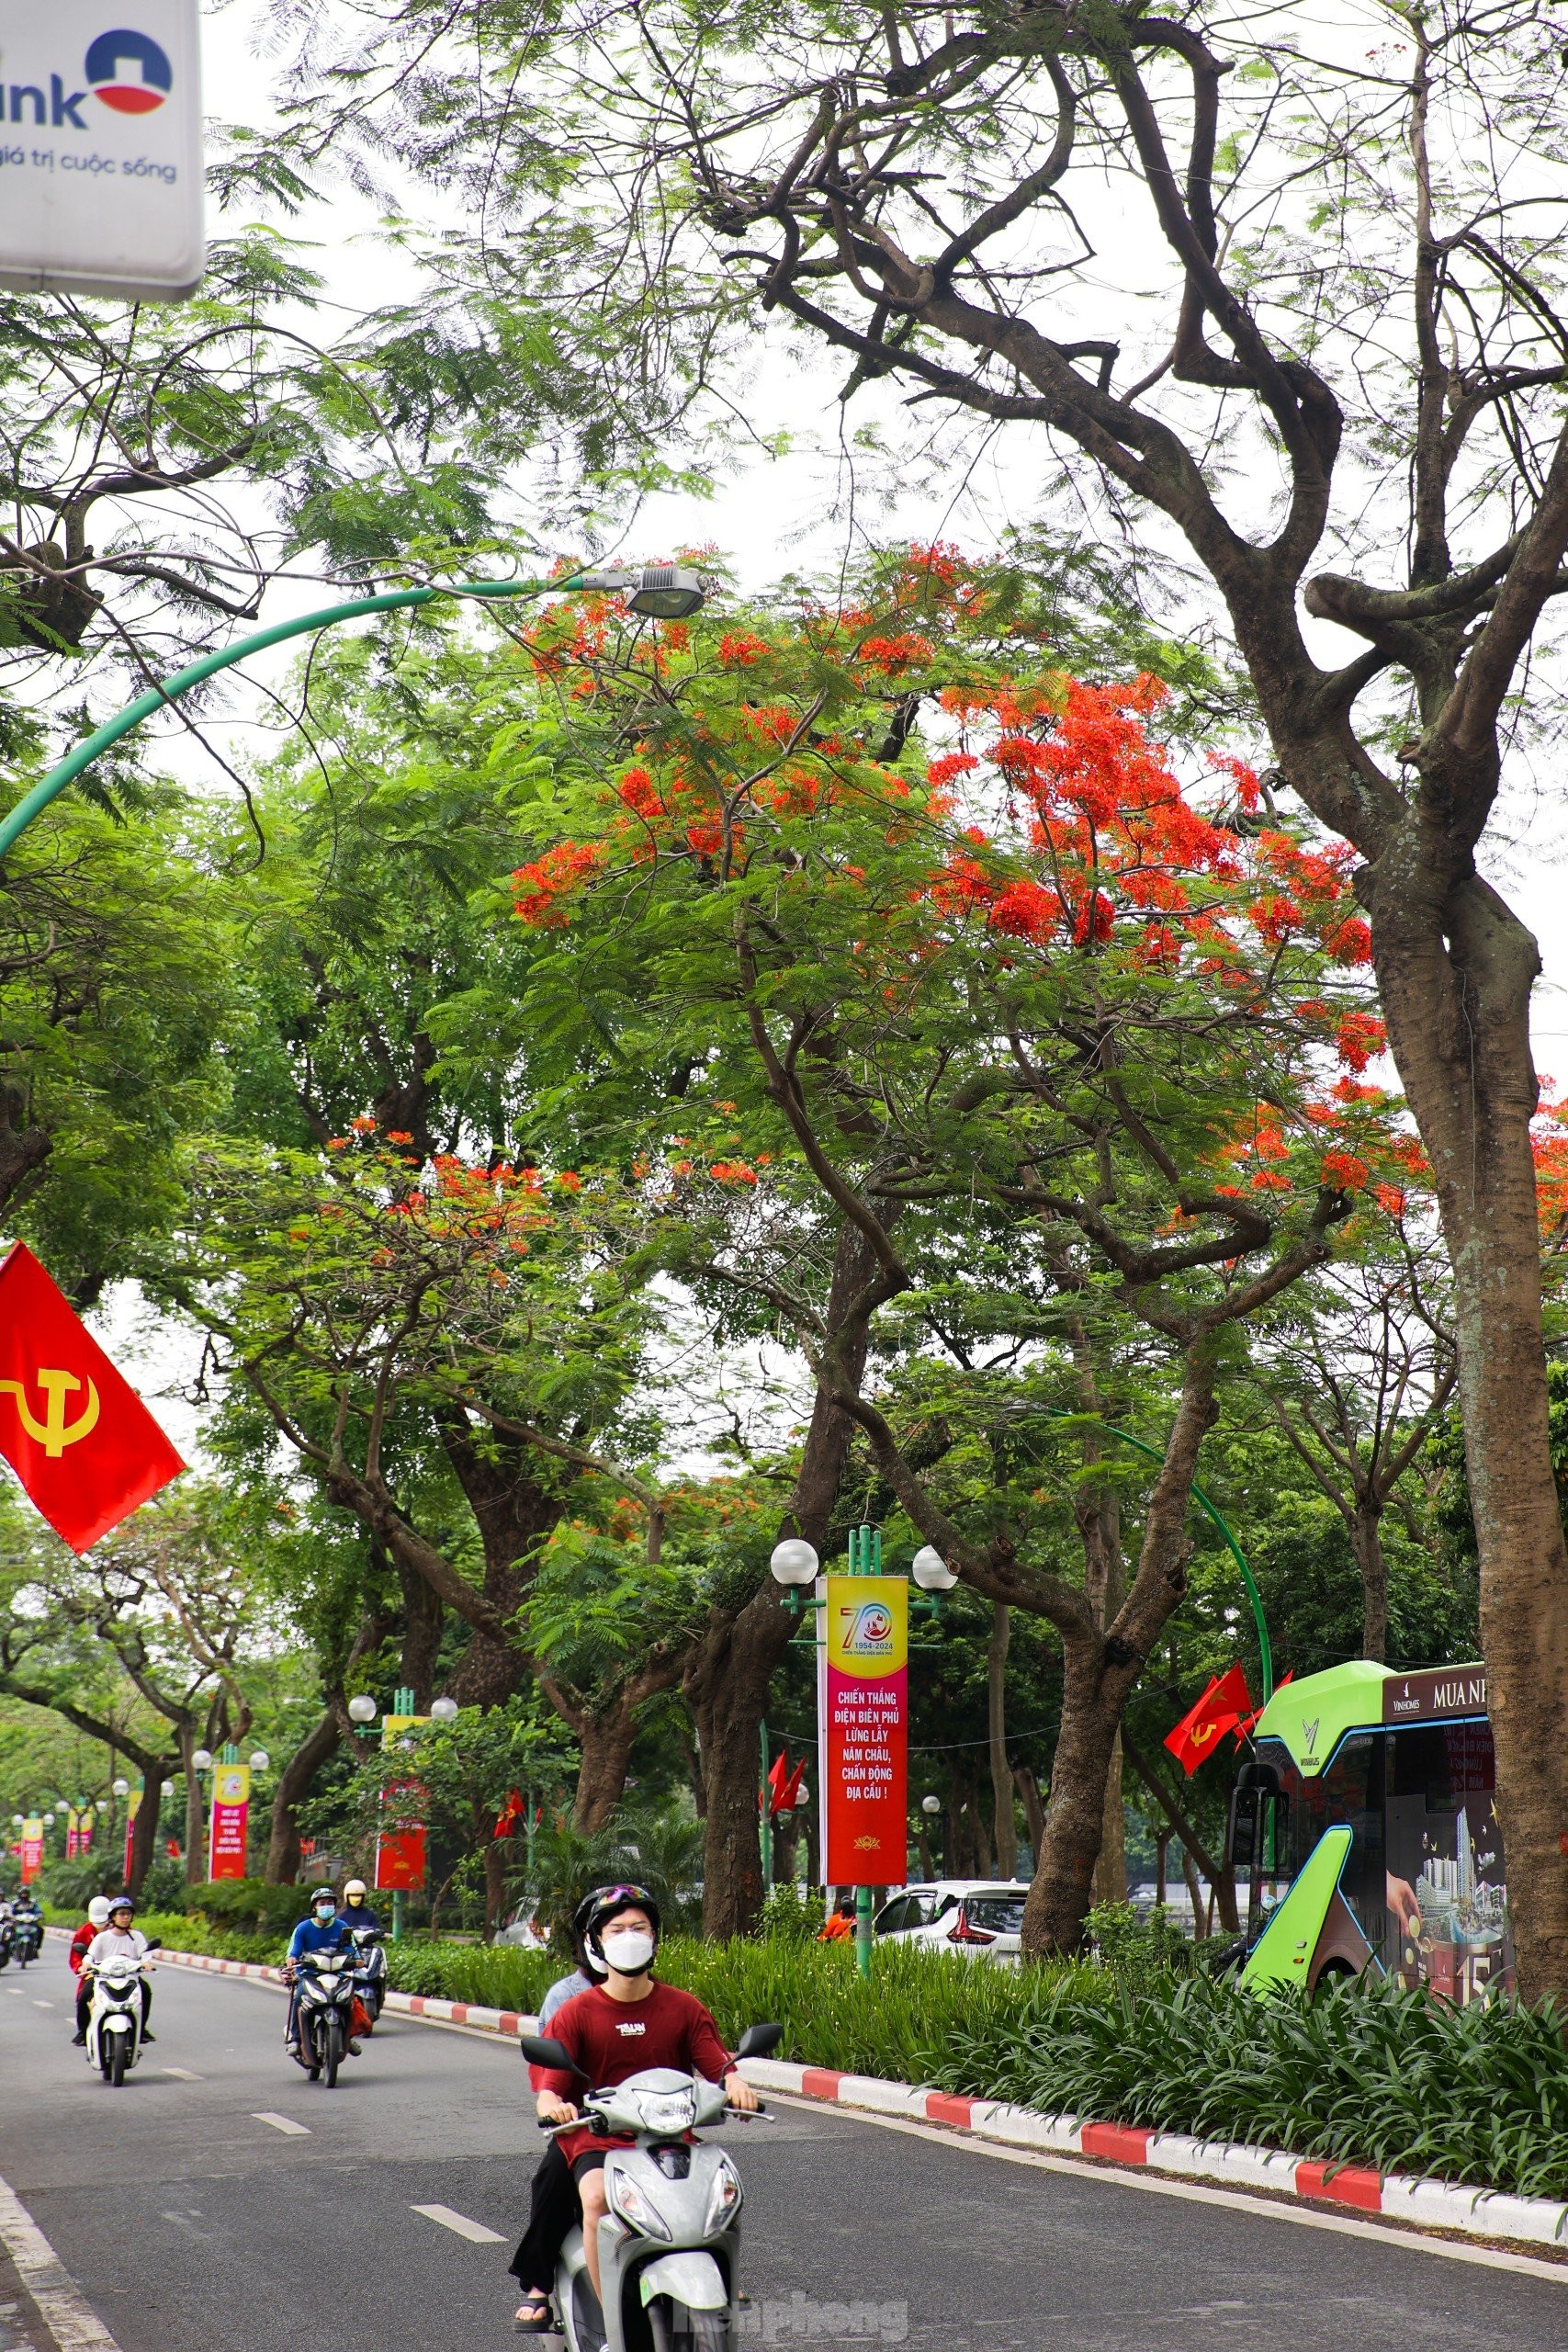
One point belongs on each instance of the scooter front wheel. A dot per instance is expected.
(116, 2060)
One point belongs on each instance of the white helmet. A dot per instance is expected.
(355, 1886)
(99, 1911)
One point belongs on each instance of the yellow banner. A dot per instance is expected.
(394, 1726)
(868, 1625)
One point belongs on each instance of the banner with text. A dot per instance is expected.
(863, 1730)
(32, 1848)
(400, 1840)
(132, 1803)
(231, 1821)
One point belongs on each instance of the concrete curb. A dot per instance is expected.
(1431, 2204)
(1435, 2204)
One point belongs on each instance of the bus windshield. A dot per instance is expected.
(1425, 1877)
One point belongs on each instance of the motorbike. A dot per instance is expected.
(325, 2015)
(114, 2018)
(27, 1938)
(370, 1970)
(670, 2244)
(7, 1936)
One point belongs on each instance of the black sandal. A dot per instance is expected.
(540, 2322)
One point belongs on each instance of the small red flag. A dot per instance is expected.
(513, 1810)
(1244, 1726)
(73, 1428)
(1219, 1708)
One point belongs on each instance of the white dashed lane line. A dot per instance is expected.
(184, 2075)
(459, 2225)
(284, 2124)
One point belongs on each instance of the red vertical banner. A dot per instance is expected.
(399, 1841)
(131, 1803)
(73, 1835)
(32, 1848)
(229, 1829)
(862, 1731)
(84, 1831)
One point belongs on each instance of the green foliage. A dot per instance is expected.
(1358, 2074)
(247, 1906)
(791, 1913)
(658, 1850)
(1136, 1947)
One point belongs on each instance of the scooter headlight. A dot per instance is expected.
(724, 2200)
(327, 1983)
(635, 2206)
(667, 2110)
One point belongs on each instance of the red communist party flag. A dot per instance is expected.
(1219, 1710)
(74, 1431)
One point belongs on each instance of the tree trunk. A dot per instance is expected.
(293, 1787)
(1098, 1670)
(728, 1680)
(195, 1811)
(1033, 1807)
(1004, 1819)
(144, 1835)
(1366, 1542)
(606, 1739)
(424, 1616)
(1455, 980)
(1110, 1871)
(497, 1863)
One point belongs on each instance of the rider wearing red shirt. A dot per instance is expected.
(621, 2027)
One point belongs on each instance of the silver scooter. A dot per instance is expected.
(670, 2243)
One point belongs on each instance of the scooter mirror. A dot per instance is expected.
(543, 2050)
(759, 2040)
(154, 1943)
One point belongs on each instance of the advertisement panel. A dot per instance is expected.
(32, 1847)
(100, 147)
(230, 1827)
(863, 1718)
(131, 1805)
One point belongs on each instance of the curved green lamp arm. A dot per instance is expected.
(1265, 1653)
(161, 696)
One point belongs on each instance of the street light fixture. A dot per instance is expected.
(362, 1708)
(119, 1788)
(443, 1710)
(664, 591)
(932, 1805)
(794, 1567)
(201, 1760)
(260, 1760)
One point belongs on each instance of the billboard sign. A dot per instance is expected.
(32, 1847)
(863, 1730)
(100, 147)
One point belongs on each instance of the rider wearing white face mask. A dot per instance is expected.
(621, 2027)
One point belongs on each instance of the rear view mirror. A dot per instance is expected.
(154, 1943)
(759, 2040)
(543, 2050)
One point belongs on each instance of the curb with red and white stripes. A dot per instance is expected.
(1399, 2197)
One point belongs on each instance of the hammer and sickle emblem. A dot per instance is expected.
(54, 1433)
(1202, 1734)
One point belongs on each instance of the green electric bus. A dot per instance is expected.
(1365, 1827)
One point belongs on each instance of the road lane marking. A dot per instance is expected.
(1490, 2257)
(459, 2225)
(72, 2321)
(283, 2123)
(43, 2004)
(182, 2074)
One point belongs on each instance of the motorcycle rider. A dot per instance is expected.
(321, 1930)
(97, 1918)
(25, 1915)
(621, 2027)
(552, 2205)
(120, 1941)
(355, 1910)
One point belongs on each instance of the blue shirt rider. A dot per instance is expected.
(321, 1930)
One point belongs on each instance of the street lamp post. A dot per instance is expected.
(661, 591)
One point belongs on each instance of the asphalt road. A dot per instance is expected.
(192, 2225)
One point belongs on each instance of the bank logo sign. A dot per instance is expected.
(100, 147)
(129, 72)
